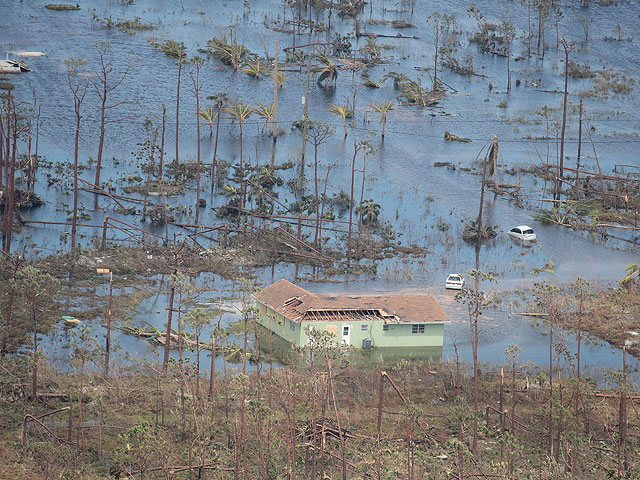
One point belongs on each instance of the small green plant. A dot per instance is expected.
(450, 137)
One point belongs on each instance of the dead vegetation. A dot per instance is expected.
(318, 418)
(126, 25)
(62, 6)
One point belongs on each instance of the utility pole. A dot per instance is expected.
(108, 335)
(275, 96)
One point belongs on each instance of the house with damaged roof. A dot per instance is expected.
(359, 321)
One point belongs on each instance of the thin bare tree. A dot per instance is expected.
(195, 79)
(103, 84)
(568, 47)
(78, 86)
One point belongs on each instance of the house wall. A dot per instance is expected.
(398, 335)
(279, 324)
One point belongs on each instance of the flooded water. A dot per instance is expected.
(415, 197)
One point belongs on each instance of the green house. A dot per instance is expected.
(358, 321)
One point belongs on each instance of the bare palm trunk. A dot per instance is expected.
(484, 174)
(567, 50)
(103, 106)
(274, 129)
(178, 112)
(215, 151)
(164, 124)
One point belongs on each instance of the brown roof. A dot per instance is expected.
(298, 304)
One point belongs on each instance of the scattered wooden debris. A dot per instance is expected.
(328, 427)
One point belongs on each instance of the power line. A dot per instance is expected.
(426, 135)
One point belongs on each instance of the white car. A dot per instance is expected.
(523, 232)
(454, 281)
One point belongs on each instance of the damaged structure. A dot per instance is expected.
(358, 321)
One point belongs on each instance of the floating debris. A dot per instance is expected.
(62, 6)
(13, 66)
(29, 54)
(70, 321)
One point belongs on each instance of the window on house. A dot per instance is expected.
(364, 328)
(292, 325)
(417, 328)
(345, 330)
(385, 327)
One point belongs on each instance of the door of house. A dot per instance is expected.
(346, 334)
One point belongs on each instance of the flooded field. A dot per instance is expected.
(418, 203)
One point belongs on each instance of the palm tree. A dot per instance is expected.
(256, 70)
(398, 79)
(266, 112)
(369, 212)
(238, 113)
(343, 112)
(208, 115)
(178, 52)
(328, 69)
(219, 99)
(368, 82)
(278, 78)
(232, 54)
(373, 49)
(383, 108)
